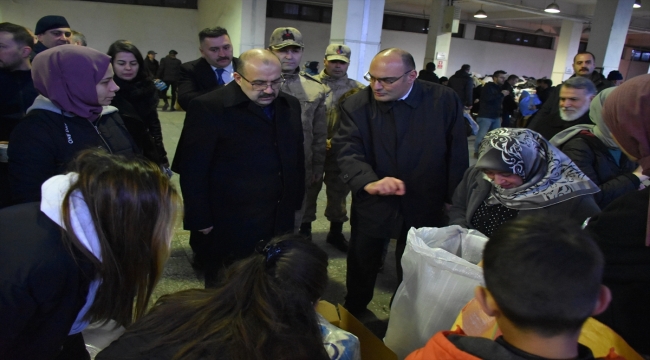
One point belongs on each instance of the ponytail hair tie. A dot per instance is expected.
(271, 252)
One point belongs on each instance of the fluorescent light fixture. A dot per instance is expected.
(552, 8)
(480, 14)
(637, 4)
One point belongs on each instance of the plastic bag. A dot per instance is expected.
(440, 274)
(339, 344)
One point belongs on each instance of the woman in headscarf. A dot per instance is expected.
(593, 149)
(71, 114)
(137, 100)
(91, 250)
(519, 173)
(623, 228)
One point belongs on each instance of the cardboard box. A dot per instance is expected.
(372, 348)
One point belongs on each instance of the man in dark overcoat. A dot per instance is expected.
(402, 149)
(242, 162)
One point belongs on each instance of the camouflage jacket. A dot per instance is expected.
(336, 88)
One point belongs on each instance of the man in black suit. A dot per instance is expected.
(213, 69)
(242, 163)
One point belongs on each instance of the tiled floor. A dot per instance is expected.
(179, 275)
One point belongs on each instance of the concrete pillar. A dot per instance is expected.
(438, 43)
(357, 24)
(245, 21)
(608, 32)
(566, 49)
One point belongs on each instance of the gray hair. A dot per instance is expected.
(579, 82)
(78, 37)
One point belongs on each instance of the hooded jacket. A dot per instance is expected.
(47, 139)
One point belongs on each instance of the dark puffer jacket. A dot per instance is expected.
(595, 160)
(43, 144)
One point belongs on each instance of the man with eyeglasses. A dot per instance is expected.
(51, 31)
(335, 78)
(286, 43)
(241, 163)
(402, 149)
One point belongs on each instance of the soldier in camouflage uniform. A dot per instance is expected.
(286, 43)
(334, 76)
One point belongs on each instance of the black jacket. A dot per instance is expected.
(422, 137)
(197, 78)
(428, 76)
(463, 85)
(137, 102)
(620, 231)
(43, 144)
(169, 70)
(509, 103)
(491, 101)
(44, 285)
(17, 94)
(152, 66)
(38, 48)
(595, 160)
(552, 124)
(240, 171)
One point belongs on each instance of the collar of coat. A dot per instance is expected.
(413, 100)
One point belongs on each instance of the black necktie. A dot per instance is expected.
(219, 78)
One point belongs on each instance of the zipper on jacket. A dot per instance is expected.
(101, 137)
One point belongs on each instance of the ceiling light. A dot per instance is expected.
(552, 8)
(540, 31)
(480, 14)
(637, 4)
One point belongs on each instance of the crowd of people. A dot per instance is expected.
(88, 209)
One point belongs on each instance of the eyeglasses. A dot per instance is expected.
(383, 81)
(58, 33)
(263, 85)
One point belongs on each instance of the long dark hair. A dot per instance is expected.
(126, 46)
(133, 207)
(264, 309)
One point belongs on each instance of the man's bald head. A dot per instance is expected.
(256, 58)
(391, 53)
(391, 75)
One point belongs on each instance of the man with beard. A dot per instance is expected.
(17, 92)
(241, 163)
(51, 31)
(286, 43)
(584, 64)
(212, 70)
(573, 107)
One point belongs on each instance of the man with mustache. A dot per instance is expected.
(242, 163)
(286, 43)
(584, 64)
(575, 97)
(213, 69)
(51, 31)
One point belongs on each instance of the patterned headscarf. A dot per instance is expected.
(68, 75)
(550, 177)
(627, 114)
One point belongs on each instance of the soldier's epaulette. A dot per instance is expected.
(310, 77)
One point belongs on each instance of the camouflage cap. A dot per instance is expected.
(338, 52)
(285, 36)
